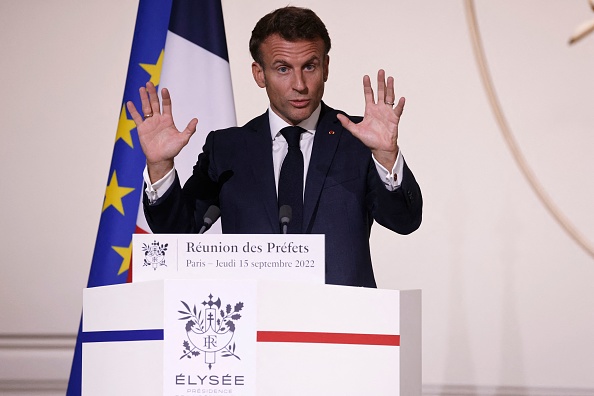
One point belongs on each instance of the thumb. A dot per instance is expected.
(346, 123)
(190, 129)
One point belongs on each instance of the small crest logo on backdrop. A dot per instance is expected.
(154, 254)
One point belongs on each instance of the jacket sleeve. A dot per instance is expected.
(180, 210)
(399, 210)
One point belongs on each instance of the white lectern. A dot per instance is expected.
(250, 337)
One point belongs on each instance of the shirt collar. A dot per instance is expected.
(309, 124)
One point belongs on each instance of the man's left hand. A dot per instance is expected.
(379, 128)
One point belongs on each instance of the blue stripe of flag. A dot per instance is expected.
(206, 30)
(122, 335)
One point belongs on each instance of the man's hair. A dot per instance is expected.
(291, 24)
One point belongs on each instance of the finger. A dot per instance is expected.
(190, 129)
(367, 90)
(134, 113)
(381, 86)
(346, 123)
(166, 102)
(390, 95)
(399, 107)
(144, 100)
(153, 98)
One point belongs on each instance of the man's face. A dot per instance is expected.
(293, 73)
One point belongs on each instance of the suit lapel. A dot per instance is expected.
(326, 140)
(258, 145)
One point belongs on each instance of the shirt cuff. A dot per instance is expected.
(156, 190)
(391, 179)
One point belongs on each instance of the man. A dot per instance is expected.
(349, 170)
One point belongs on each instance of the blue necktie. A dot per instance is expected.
(290, 183)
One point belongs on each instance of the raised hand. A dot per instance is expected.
(160, 140)
(379, 128)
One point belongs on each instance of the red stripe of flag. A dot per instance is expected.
(328, 338)
(138, 230)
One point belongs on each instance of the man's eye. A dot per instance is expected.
(283, 69)
(310, 67)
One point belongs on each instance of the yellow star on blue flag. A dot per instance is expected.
(154, 69)
(114, 194)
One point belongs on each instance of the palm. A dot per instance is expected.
(159, 138)
(379, 128)
(161, 141)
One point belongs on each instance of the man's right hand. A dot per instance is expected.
(160, 140)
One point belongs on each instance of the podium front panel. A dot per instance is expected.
(250, 338)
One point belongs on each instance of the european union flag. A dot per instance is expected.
(179, 44)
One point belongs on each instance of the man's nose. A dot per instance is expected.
(299, 82)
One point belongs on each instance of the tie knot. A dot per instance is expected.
(292, 134)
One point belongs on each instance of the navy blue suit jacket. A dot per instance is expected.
(343, 194)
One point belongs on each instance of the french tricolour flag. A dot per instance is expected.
(178, 44)
(196, 72)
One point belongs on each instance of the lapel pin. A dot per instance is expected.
(331, 133)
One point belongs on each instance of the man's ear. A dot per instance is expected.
(326, 63)
(258, 73)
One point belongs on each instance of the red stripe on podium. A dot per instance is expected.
(328, 338)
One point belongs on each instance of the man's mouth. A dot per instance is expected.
(299, 103)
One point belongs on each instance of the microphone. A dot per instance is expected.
(285, 214)
(210, 217)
